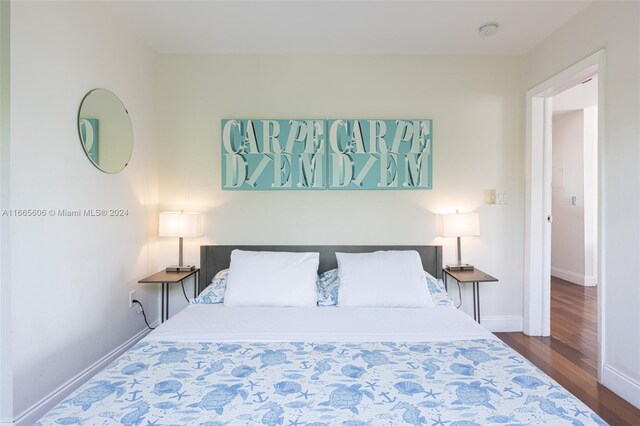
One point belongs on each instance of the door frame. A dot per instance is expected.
(537, 267)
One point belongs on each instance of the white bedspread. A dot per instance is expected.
(217, 323)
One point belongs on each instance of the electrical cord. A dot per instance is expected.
(184, 292)
(459, 294)
(143, 314)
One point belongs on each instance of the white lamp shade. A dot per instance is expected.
(180, 224)
(460, 225)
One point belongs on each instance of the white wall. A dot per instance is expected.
(70, 277)
(614, 26)
(476, 104)
(6, 374)
(568, 197)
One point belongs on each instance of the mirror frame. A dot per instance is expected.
(80, 131)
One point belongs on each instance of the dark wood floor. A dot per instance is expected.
(574, 321)
(570, 355)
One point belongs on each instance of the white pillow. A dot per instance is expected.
(391, 279)
(264, 278)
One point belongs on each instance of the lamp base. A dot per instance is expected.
(460, 267)
(180, 268)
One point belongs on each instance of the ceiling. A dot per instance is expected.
(342, 27)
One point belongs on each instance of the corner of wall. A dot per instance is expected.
(6, 372)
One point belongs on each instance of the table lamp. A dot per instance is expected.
(460, 225)
(182, 225)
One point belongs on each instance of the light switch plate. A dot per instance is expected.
(490, 196)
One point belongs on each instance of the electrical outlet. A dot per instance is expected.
(132, 296)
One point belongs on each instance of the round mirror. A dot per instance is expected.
(105, 130)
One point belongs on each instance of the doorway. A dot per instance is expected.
(574, 207)
(541, 189)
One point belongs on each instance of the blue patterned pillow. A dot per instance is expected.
(328, 284)
(214, 293)
(438, 293)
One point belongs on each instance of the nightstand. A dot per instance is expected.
(474, 277)
(166, 279)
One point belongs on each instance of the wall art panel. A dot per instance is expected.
(380, 154)
(273, 154)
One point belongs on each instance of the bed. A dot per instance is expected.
(216, 365)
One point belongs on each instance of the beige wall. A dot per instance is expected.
(615, 27)
(476, 104)
(70, 277)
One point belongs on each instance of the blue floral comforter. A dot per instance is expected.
(459, 383)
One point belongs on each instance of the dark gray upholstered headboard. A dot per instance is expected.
(216, 258)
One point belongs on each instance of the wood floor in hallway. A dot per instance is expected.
(570, 355)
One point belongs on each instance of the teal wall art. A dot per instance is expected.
(379, 154)
(260, 154)
(273, 154)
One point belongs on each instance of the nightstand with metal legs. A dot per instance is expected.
(166, 279)
(474, 277)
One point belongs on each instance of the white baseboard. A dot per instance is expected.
(622, 385)
(497, 324)
(40, 408)
(573, 277)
